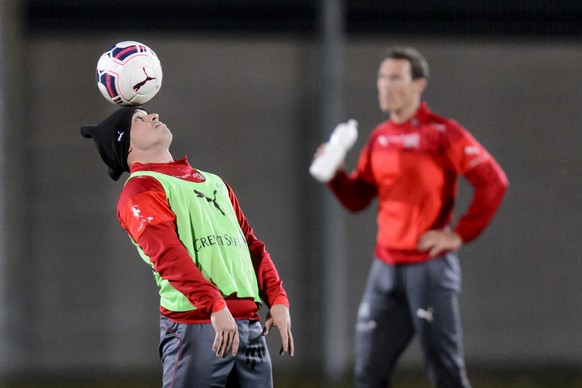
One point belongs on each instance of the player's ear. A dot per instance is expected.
(420, 84)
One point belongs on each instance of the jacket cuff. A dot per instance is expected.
(218, 305)
(281, 299)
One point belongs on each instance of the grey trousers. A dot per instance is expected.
(189, 362)
(401, 301)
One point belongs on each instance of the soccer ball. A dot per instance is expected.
(129, 73)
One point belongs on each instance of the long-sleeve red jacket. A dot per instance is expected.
(156, 234)
(413, 169)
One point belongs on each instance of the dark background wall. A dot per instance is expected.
(242, 94)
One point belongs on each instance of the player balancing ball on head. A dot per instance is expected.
(129, 73)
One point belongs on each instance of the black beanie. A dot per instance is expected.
(112, 139)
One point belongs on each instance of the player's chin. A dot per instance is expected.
(386, 107)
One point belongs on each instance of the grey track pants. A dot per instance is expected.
(189, 362)
(401, 301)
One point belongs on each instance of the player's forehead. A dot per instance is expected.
(399, 68)
(394, 64)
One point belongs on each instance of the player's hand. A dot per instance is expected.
(279, 317)
(226, 333)
(438, 241)
(319, 151)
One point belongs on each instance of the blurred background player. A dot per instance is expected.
(212, 272)
(411, 163)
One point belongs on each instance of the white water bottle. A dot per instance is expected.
(342, 139)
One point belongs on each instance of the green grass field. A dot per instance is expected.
(502, 380)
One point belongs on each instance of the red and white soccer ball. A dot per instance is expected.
(129, 73)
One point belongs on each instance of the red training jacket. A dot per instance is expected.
(413, 168)
(158, 238)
